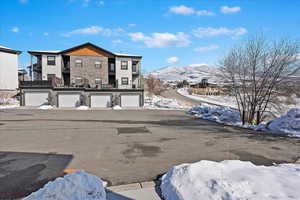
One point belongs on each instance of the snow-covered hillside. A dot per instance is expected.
(193, 73)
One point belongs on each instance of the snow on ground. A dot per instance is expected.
(45, 107)
(231, 180)
(7, 103)
(286, 124)
(157, 102)
(74, 186)
(289, 123)
(227, 101)
(82, 108)
(117, 107)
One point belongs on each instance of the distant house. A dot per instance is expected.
(8, 69)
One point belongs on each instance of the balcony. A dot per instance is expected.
(36, 84)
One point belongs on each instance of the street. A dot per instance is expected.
(123, 146)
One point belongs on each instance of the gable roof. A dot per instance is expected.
(80, 46)
(86, 44)
(8, 50)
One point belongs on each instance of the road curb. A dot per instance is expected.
(132, 186)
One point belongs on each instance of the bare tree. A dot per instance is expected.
(255, 70)
(154, 85)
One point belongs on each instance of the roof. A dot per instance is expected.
(8, 50)
(126, 55)
(38, 52)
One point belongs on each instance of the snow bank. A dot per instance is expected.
(8, 106)
(289, 123)
(8, 103)
(82, 108)
(157, 102)
(217, 114)
(117, 107)
(45, 107)
(231, 180)
(74, 186)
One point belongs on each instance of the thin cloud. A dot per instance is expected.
(172, 60)
(184, 10)
(229, 10)
(15, 29)
(45, 33)
(209, 32)
(161, 40)
(23, 1)
(131, 25)
(206, 48)
(115, 42)
(94, 30)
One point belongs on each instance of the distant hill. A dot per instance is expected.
(194, 73)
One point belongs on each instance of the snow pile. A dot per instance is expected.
(289, 123)
(78, 185)
(231, 180)
(217, 114)
(117, 107)
(45, 107)
(82, 108)
(7, 103)
(156, 102)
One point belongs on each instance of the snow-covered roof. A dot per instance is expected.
(127, 55)
(3, 47)
(8, 50)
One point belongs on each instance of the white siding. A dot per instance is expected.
(124, 73)
(51, 69)
(8, 71)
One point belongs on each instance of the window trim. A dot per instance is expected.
(49, 62)
(122, 80)
(100, 81)
(77, 63)
(124, 61)
(98, 62)
(77, 78)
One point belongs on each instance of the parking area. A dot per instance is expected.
(121, 146)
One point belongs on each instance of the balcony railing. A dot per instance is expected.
(37, 83)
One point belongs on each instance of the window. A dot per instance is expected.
(78, 80)
(124, 81)
(134, 66)
(50, 60)
(124, 65)
(98, 64)
(78, 63)
(112, 67)
(98, 81)
(50, 76)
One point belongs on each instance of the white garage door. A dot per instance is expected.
(130, 100)
(100, 101)
(36, 98)
(68, 100)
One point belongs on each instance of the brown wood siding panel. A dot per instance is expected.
(88, 51)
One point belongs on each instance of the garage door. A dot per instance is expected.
(100, 101)
(36, 98)
(130, 100)
(68, 100)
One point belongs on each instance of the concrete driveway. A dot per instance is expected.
(122, 146)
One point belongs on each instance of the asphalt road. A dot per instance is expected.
(121, 146)
(173, 94)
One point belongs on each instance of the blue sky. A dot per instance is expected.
(164, 32)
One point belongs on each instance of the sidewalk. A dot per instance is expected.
(135, 191)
